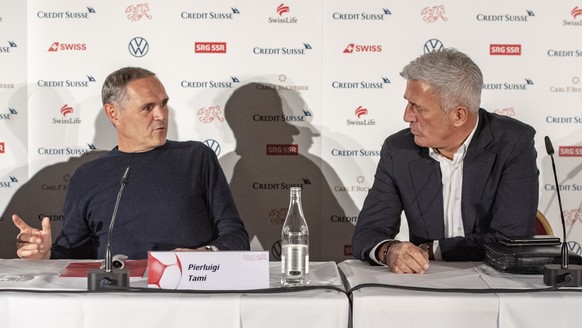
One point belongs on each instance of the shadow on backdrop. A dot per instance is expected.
(273, 137)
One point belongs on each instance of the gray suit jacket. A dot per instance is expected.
(499, 193)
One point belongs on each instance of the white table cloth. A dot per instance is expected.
(71, 306)
(392, 307)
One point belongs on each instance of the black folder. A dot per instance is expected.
(525, 259)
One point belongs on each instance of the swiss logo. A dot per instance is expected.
(59, 46)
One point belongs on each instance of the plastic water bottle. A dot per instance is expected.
(295, 244)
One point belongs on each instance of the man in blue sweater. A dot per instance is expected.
(176, 198)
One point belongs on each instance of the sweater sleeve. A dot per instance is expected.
(75, 238)
(229, 232)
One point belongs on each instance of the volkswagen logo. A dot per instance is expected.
(433, 45)
(214, 145)
(138, 47)
(276, 250)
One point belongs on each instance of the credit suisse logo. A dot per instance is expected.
(575, 13)
(71, 151)
(8, 48)
(210, 47)
(282, 117)
(211, 84)
(505, 49)
(507, 86)
(7, 115)
(358, 48)
(78, 14)
(283, 16)
(378, 84)
(280, 185)
(366, 16)
(66, 83)
(505, 17)
(564, 119)
(564, 187)
(354, 152)
(61, 46)
(433, 14)
(564, 53)
(8, 183)
(137, 12)
(298, 50)
(211, 15)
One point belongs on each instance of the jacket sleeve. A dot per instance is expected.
(379, 218)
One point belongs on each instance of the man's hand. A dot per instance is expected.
(405, 257)
(31, 243)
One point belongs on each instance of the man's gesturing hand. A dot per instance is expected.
(32, 243)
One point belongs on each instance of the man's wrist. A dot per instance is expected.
(428, 247)
(383, 251)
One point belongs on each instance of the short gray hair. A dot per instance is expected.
(455, 78)
(114, 90)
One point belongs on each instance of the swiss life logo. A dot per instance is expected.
(66, 110)
(360, 111)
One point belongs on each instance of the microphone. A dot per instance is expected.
(561, 274)
(100, 279)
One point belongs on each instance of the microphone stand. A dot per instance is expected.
(564, 273)
(100, 279)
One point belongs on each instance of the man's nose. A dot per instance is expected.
(409, 114)
(160, 113)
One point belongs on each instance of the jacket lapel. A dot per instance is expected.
(476, 167)
(426, 180)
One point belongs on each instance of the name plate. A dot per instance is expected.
(223, 270)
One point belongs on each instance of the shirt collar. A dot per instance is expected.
(460, 153)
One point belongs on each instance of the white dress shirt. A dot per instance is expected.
(452, 180)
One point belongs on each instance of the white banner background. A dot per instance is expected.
(319, 63)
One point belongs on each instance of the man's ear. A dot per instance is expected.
(460, 116)
(111, 112)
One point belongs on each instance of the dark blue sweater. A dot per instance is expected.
(176, 196)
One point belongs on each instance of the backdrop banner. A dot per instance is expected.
(292, 93)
